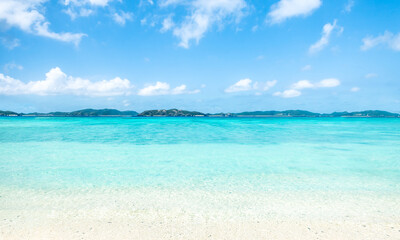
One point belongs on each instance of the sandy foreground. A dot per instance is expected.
(129, 213)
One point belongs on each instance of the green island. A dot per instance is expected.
(185, 113)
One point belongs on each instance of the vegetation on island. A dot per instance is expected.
(185, 113)
(8, 113)
(171, 113)
(302, 113)
(101, 112)
(370, 113)
(85, 113)
(287, 113)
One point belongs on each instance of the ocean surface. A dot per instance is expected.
(213, 154)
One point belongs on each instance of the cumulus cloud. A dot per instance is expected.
(285, 9)
(325, 83)
(302, 84)
(326, 34)
(389, 39)
(241, 85)
(58, 83)
(163, 88)
(26, 16)
(247, 85)
(295, 88)
(328, 83)
(122, 17)
(160, 88)
(204, 14)
(179, 89)
(290, 93)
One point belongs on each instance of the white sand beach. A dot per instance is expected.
(195, 214)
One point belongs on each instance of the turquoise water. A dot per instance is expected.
(232, 154)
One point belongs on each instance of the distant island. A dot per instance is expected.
(171, 113)
(80, 113)
(185, 113)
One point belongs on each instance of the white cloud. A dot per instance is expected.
(306, 68)
(326, 34)
(285, 9)
(302, 84)
(166, 3)
(43, 30)
(247, 85)
(355, 89)
(388, 38)
(82, 12)
(325, 83)
(179, 90)
(371, 75)
(26, 16)
(167, 24)
(241, 85)
(58, 83)
(295, 88)
(290, 93)
(163, 88)
(160, 88)
(328, 83)
(122, 17)
(99, 3)
(84, 8)
(349, 5)
(21, 14)
(204, 14)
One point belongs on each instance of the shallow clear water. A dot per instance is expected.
(229, 154)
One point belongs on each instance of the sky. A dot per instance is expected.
(206, 55)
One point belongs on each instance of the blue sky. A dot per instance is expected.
(206, 55)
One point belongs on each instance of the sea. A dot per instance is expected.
(346, 154)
